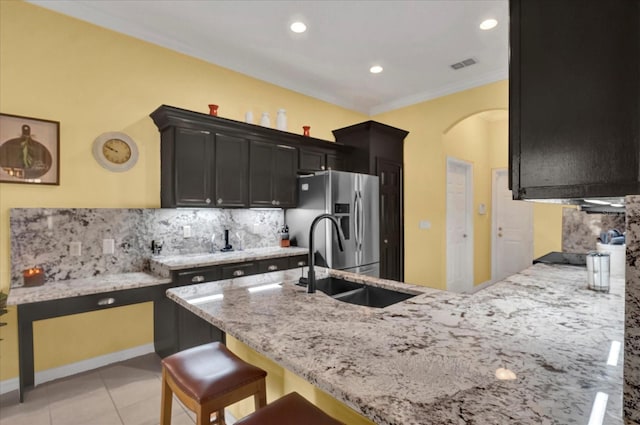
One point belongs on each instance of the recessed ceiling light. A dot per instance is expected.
(298, 27)
(375, 69)
(487, 24)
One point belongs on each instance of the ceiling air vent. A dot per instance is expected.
(464, 63)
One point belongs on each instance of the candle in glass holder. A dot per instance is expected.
(33, 276)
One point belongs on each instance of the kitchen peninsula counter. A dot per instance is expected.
(433, 358)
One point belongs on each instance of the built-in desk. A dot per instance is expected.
(67, 297)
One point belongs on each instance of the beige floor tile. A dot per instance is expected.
(128, 392)
(94, 408)
(34, 410)
(147, 412)
(73, 386)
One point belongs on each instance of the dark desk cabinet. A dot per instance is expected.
(272, 175)
(574, 98)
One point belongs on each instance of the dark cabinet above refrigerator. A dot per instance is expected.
(574, 98)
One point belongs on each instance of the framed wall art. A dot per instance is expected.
(29, 150)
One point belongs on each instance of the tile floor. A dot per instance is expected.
(125, 393)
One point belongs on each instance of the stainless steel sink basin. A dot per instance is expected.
(332, 285)
(358, 293)
(373, 296)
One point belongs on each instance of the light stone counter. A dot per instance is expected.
(433, 358)
(163, 265)
(79, 287)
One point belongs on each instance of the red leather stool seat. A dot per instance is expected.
(208, 378)
(292, 409)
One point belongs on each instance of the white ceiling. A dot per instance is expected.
(415, 42)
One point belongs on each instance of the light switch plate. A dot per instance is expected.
(425, 224)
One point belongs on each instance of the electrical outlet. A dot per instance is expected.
(108, 246)
(75, 249)
(425, 224)
(186, 231)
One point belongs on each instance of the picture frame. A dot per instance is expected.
(29, 150)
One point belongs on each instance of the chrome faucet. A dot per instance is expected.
(311, 276)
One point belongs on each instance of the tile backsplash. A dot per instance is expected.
(580, 231)
(41, 237)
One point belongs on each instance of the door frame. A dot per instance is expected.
(468, 167)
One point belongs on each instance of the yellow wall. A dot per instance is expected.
(93, 80)
(448, 126)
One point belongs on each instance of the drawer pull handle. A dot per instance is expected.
(301, 263)
(106, 301)
(197, 279)
(238, 273)
(272, 267)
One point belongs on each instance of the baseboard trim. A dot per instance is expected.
(41, 377)
(481, 286)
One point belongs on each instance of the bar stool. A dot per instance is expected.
(208, 378)
(292, 409)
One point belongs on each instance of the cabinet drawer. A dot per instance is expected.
(298, 261)
(239, 270)
(273, 264)
(198, 276)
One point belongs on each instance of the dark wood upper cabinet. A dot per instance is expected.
(231, 167)
(574, 98)
(378, 150)
(272, 176)
(209, 161)
(314, 160)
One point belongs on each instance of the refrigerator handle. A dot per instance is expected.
(356, 220)
(362, 223)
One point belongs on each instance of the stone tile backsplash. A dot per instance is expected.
(580, 231)
(41, 237)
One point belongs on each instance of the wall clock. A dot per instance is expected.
(115, 151)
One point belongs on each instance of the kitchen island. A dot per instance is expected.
(435, 358)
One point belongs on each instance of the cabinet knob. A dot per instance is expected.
(499, 235)
(322, 167)
(277, 202)
(302, 263)
(273, 202)
(272, 268)
(106, 301)
(219, 201)
(208, 201)
(386, 241)
(197, 279)
(238, 273)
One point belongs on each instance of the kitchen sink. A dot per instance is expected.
(358, 293)
(373, 296)
(332, 286)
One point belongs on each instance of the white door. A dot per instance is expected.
(512, 230)
(459, 226)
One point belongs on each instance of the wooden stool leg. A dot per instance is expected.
(167, 400)
(220, 417)
(202, 417)
(260, 397)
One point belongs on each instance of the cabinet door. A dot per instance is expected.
(574, 98)
(312, 160)
(193, 162)
(335, 162)
(194, 331)
(260, 179)
(391, 228)
(231, 171)
(283, 174)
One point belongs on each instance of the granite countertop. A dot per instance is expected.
(78, 287)
(162, 265)
(433, 358)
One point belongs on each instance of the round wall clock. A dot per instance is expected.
(115, 151)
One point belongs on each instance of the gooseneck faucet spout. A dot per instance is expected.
(311, 276)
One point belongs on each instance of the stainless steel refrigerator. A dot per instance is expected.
(353, 199)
